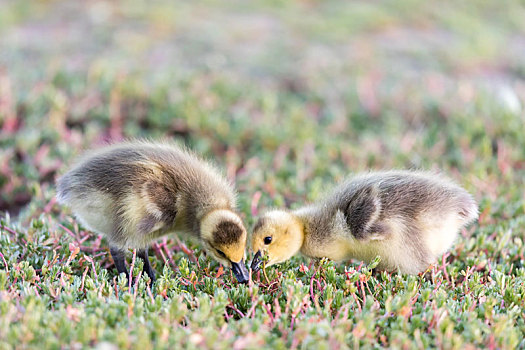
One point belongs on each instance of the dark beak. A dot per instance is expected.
(240, 272)
(256, 262)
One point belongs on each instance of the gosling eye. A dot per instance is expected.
(267, 240)
(221, 253)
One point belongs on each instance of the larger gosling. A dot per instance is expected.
(408, 218)
(135, 192)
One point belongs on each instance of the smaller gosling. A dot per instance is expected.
(408, 218)
(135, 192)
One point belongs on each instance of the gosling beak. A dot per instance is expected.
(240, 271)
(256, 262)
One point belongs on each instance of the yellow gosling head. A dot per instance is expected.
(279, 235)
(224, 237)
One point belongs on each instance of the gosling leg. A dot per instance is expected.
(143, 254)
(119, 258)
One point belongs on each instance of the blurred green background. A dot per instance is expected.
(288, 97)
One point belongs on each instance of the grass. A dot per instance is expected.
(287, 98)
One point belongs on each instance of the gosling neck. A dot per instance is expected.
(301, 217)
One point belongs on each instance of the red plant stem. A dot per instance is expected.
(444, 267)
(437, 286)
(49, 205)
(277, 308)
(136, 286)
(84, 278)
(158, 250)
(492, 342)
(231, 306)
(312, 286)
(345, 316)
(367, 287)
(96, 244)
(295, 343)
(474, 305)
(69, 232)
(148, 289)
(8, 230)
(186, 250)
(5, 263)
(269, 312)
(92, 265)
(252, 309)
(164, 246)
(98, 255)
(357, 301)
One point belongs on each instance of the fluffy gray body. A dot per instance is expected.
(135, 192)
(406, 217)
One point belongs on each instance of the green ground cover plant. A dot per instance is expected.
(288, 98)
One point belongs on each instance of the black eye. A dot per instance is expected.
(221, 253)
(268, 240)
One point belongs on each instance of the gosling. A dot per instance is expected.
(408, 218)
(135, 192)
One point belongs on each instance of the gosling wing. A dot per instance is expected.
(361, 209)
